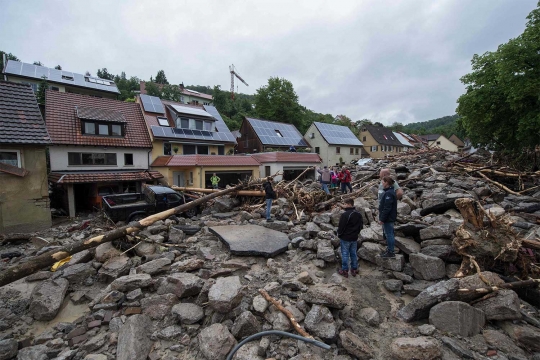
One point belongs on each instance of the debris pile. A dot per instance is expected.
(463, 284)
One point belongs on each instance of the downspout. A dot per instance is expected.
(200, 178)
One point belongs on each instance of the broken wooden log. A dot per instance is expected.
(499, 185)
(439, 208)
(287, 313)
(335, 199)
(37, 263)
(15, 237)
(531, 244)
(211, 191)
(511, 285)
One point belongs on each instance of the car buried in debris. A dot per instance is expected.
(136, 206)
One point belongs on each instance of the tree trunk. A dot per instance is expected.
(211, 191)
(37, 263)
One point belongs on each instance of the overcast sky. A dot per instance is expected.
(382, 60)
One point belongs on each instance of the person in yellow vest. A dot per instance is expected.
(215, 181)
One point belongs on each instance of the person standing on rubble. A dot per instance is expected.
(388, 214)
(215, 181)
(345, 179)
(350, 224)
(270, 195)
(326, 178)
(398, 190)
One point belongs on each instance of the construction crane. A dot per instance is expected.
(233, 74)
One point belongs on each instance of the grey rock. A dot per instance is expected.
(134, 295)
(474, 281)
(254, 240)
(312, 228)
(106, 251)
(95, 357)
(260, 304)
(37, 352)
(154, 267)
(427, 329)
(321, 218)
(325, 253)
(276, 225)
(114, 268)
(158, 306)
(145, 249)
(435, 242)
(527, 336)
(408, 246)
(115, 324)
(419, 307)
(504, 305)
(225, 294)
(78, 273)
(355, 345)
(169, 333)
(419, 348)
(225, 204)
(444, 252)
(451, 270)
(131, 282)
(436, 231)
(134, 341)
(457, 347)
(403, 277)
(215, 342)
(427, 267)
(320, 322)
(457, 317)
(280, 322)
(94, 343)
(250, 351)
(47, 298)
(371, 316)
(176, 236)
(8, 349)
(330, 295)
(502, 342)
(393, 285)
(188, 313)
(182, 285)
(395, 264)
(190, 264)
(80, 257)
(245, 325)
(403, 209)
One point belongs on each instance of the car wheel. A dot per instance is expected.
(191, 212)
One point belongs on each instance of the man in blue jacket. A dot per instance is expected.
(388, 214)
(350, 224)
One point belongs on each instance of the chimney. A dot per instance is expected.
(182, 86)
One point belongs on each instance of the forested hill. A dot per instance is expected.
(446, 125)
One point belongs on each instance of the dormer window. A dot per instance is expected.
(101, 122)
(101, 128)
(162, 121)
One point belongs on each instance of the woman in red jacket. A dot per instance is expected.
(345, 179)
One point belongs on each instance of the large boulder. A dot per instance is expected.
(47, 298)
(355, 346)
(330, 295)
(395, 263)
(114, 268)
(225, 204)
(408, 246)
(502, 342)
(225, 294)
(78, 273)
(320, 322)
(106, 251)
(369, 251)
(154, 267)
(325, 252)
(427, 267)
(134, 341)
(504, 305)
(437, 231)
(444, 252)
(215, 342)
(474, 281)
(419, 348)
(526, 335)
(8, 349)
(36, 352)
(419, 307)
(457, 317)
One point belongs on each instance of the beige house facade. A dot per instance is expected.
(444, 143)
(380, 141)
(335, 144)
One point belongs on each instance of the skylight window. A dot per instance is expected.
(65, 77)
(162, 121)
(278, 133)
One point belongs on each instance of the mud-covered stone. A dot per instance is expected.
(457, 317)
(47, 299)
(215, 342)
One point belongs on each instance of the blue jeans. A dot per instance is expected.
(348, 250)
(344, 187)
(325, 188)
(268, 208)
(388, 230)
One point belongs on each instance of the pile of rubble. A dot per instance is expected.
(190, 288)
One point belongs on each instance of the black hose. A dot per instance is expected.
(275, 332)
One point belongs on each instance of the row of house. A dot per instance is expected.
(98, 145)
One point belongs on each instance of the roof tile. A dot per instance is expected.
(280, 156)
(79, 178)
(207, 160)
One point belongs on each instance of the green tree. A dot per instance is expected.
(58, 67)
(279, 102)
(42, 88)
(397, 126)
(38, 63)
(104, 74)
(152, 89)
(9, 56)
(501, 106)
(170, 92)
(161, 78)
(378, 124)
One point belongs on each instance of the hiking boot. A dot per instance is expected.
(269, 220)
(354, 272)
(343, 273)
(388, 254)
(383, 252)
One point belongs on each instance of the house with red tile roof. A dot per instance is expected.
(289, 165)
(24, 196)
(98, 147)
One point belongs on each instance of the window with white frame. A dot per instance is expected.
(375, 148)
(10, 157)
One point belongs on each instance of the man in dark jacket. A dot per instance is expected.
(270, 195)
(388, 214)
(350, 224)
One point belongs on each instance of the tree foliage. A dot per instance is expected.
(9, 56)
(501, 106)
(446, 125)
(233, 112)
(161, 78)
(58, 67)
(38, 63)
(104, 74)
(152, 89)
(42, 88)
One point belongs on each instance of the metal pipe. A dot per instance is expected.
(276, 332)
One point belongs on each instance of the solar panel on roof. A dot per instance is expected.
(191, 110)
(266, 131)
(336, 134)
(152, 104)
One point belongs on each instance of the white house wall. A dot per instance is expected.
(445, 144)
(328, 152)
(59, 158)
(275, 167)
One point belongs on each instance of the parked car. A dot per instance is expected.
(136, 206)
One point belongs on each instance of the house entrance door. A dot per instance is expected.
(178, 178)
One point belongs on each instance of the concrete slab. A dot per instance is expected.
(251, 240)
